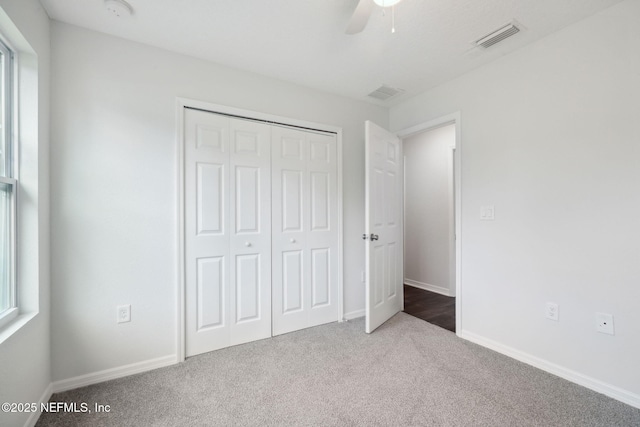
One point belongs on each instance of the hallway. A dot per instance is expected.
(435, 308)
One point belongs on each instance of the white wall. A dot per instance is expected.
(550, 135)
(25, 372)
(114, 173)
(428, 217)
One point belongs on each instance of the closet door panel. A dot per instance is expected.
(304, 229)
(322, 234)
(290, 218)
(227, 231)
(250, 236)
(206, 152)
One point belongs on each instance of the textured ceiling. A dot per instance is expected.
(303, 41)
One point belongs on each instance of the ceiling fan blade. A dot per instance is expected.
(360, 17)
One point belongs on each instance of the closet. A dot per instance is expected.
(261, 230)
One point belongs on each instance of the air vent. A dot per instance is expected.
(497, 36)
(385, 92)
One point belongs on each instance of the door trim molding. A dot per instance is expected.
(449, 119)
(181, 104)
(427, 287)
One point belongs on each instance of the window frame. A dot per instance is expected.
(8, 178)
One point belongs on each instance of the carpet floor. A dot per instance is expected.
(407, 373)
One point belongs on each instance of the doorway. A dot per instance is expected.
(429, 225)
(384, 220)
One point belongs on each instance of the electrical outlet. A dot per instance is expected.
(124, 313)
(552, 311)
(604, 323)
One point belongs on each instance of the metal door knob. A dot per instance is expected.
(292, 240)
(374, 236)
(247, 244)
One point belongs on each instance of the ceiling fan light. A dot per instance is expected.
(386, 3)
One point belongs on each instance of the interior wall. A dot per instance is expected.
(25, 372)
(549, 135)
(114, 217)
(428, 217)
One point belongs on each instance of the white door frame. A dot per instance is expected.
(181, 104)
(454, 119)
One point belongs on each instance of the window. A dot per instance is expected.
(8, 189)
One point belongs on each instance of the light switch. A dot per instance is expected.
(487, 213)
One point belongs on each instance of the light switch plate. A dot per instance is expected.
(487, 213)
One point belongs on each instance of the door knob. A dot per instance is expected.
(247, 244)
(292, 240)
(374, 236)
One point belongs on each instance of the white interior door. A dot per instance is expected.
(227, 231)
(383, 225)
(304, 229)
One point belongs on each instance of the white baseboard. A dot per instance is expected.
(354, 314)
(113, 373)
(427, 287)
(46, 395)
(591, 383)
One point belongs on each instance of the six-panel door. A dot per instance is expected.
(383, 219)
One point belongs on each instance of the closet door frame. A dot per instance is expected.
(181, 104)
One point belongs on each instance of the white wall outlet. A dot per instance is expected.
(552, 311)
(604, 323)
(487, 213)
(124, 313)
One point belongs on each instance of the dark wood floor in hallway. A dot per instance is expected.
(437, 309)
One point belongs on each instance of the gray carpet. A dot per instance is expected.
(407, 373)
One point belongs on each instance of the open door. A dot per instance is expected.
(383, 225)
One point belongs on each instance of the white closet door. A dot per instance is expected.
(305, 229)
(227, 220)
(250, 234)
(206, 231)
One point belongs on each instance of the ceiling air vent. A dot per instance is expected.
(385, 92)
(497, 36)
